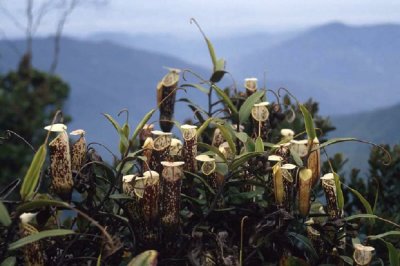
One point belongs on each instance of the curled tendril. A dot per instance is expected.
(9, 133)
(276, 95)
(194, 74)
(289, 93)
(194, 21)
(104, 146)
(125, 110)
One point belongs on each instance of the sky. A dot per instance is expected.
(217, 18)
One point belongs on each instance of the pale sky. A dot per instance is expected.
(216, 17)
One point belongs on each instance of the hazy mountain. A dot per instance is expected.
(347, 69)
(379, 126)
(195, 49)
(104, 78)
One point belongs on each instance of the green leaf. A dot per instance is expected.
(259, 146)
(364, 202)
(309, 123)
(225, 98)
(98, 260)
(305, 242)
(38, 236)
(227, 136)
(31, 178)
(123, 144)
(204, 126)
(389, 233)
(142, 123)
(245, 109)
(296, 158)
(339, 192)
(348, 260)
(240, 160)
(35, 204)
(126, 130)
(211, 50)
(360, 216)
(147, 258)
(114, 123)
(250, 145)
(10, 261)
(4, 216)
(196, 86)
(220, 65)
(215, 150)
(242, 136)
(393, 254)
(120, 197)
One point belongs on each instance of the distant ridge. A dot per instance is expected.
(104, 78)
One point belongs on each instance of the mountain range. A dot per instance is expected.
(335, 64)
(350, 71)
(104, 78)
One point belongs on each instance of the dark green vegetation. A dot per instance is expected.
(29, 99)
(251, 209)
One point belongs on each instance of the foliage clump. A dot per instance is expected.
(242, 183)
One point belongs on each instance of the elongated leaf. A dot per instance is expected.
(10, 261)
(228, 137)
(240, 160)
(126, 130)
(245, 109)
(196, 86)
(259, 145)
(211, 50)
(225, 98)
(4, 216)
(242, 136)
(333, 141)
(339, 192)
(120, 197)
(147, 258)
(389, 233)
(204, 126)
(220, 65)
(360, 216)
(38, 236)
(309, 123)
(305, 242)
(215, 150)
(296, 158)
(114, 123)
(348, 260)
(393, 254)
(98, 260)
(35, 204)
(142, 123)
(31, 178)
(364, 202)
(250, 145)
